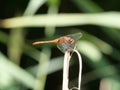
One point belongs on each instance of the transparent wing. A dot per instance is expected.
(65, 46)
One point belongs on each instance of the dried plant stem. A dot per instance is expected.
(66, 71)
(80, 69)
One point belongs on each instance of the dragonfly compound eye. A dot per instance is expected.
(71, 41)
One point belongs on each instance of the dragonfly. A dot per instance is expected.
(64, 43)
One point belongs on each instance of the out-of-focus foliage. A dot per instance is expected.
(27, 67)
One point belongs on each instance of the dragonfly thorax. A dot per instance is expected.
(65, 44)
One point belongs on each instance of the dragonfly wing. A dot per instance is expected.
(65, 47)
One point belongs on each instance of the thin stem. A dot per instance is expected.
(80, 69)
(66, 71)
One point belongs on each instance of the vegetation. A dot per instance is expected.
(27, 67)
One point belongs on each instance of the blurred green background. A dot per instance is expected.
(27, 67)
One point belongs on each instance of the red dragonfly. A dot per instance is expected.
(64, 43)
